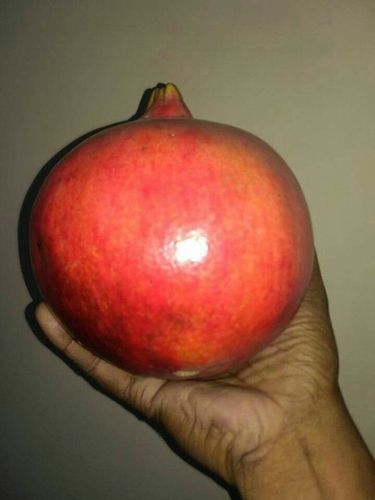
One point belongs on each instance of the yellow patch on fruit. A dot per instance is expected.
(186, 373)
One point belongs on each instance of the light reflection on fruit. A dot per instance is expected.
(192, 248)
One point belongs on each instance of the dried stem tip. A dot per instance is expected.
(166, 102)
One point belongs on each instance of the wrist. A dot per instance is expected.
(323, 456)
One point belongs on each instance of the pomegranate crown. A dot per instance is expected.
(166, 102)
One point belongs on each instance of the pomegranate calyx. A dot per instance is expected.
(166, 102)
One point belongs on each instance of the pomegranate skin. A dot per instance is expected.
(172, 247)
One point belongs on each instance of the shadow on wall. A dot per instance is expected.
(25, 262)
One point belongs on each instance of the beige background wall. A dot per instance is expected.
(300, 74)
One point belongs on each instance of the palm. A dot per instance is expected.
(208, 418)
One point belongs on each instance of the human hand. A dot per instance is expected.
(233, 424)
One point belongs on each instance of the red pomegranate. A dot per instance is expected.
(172, 246)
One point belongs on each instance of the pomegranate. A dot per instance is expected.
(171, 246)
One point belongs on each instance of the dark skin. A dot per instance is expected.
(267, 429)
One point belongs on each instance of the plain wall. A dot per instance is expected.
(300, 74)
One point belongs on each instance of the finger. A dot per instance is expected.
(313, 318)
(64, 342)
(315, 302)
(135, 390)
(316, 287)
